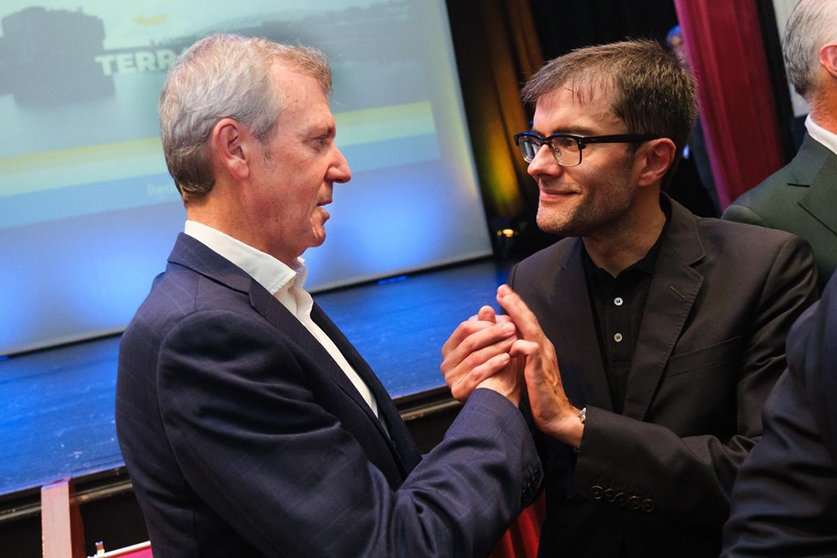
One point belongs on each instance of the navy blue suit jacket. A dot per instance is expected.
(243, 437)
(784, 502)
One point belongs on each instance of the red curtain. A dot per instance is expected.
(725, 49)
(521, 540)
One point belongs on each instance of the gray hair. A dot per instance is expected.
(224, 76)
(812, 24)
(651, 91)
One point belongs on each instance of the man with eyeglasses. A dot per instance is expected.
(649, 338)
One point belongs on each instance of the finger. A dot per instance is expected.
(467, 383)
(520, 314)
(487, 314)
(522, 347)
(465, 329)
(476, 340)
(454, 369)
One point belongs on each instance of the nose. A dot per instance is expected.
(544, 163)
(339, 170)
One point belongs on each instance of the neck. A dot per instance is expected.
(622, 247)
(822, 108)
(223, 213)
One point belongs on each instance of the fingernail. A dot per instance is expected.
(508, 327)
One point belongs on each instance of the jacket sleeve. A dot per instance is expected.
(252, 441)
(783, 501)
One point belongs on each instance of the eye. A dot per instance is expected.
(563, 143)
(322, 141)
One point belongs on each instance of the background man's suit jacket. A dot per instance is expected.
(800, 198)
(243, 437)
(784, 502)
(655, 480)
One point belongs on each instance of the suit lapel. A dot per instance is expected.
(274, 312)
(576, 332)
(821, 199)
(195, 255)
(672, 293)
(401, 441)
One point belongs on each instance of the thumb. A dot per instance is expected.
(522, 347)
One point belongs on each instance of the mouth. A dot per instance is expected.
(323, 211)
(556, 194)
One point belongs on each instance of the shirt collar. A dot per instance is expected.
(266, 270)
(821, 135)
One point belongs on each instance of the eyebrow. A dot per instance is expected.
(320, 129)
(581, 131)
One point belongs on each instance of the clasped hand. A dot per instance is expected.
(508, 354)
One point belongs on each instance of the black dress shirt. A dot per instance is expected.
(618, 304)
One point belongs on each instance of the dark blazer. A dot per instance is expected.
(655, 480)
(784, 502)
(800, 198)
(243, 437)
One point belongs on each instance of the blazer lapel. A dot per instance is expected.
(821, 198)
(400, 439)
(578, 347)
(195, 255)
(672, 293)
(274, 312)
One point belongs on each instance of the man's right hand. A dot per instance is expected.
(553, 413)
(476, 355)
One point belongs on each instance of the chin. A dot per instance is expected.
(318, 240)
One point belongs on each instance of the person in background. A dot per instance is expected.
(802, 196)
(649, 338)
(249, 424)
(784, 502)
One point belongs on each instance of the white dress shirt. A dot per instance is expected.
(282, 282)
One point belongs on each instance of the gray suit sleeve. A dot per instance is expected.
(743, 214)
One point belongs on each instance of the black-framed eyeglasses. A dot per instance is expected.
(567, 147)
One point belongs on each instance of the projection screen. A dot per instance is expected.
(88, 212)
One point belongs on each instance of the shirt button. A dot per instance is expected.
(618, 337)
(618, 301)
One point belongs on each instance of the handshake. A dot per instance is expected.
(507, 354)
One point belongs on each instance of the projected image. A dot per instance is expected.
(88, 211)
(63, 72)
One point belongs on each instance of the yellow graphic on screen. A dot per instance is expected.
(149, 21)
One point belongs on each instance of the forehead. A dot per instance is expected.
(577, 108)
(302, 96)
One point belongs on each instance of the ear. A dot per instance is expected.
(228, 149)
(828, 58)
(654, 158)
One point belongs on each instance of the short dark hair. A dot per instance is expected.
(651, 91)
